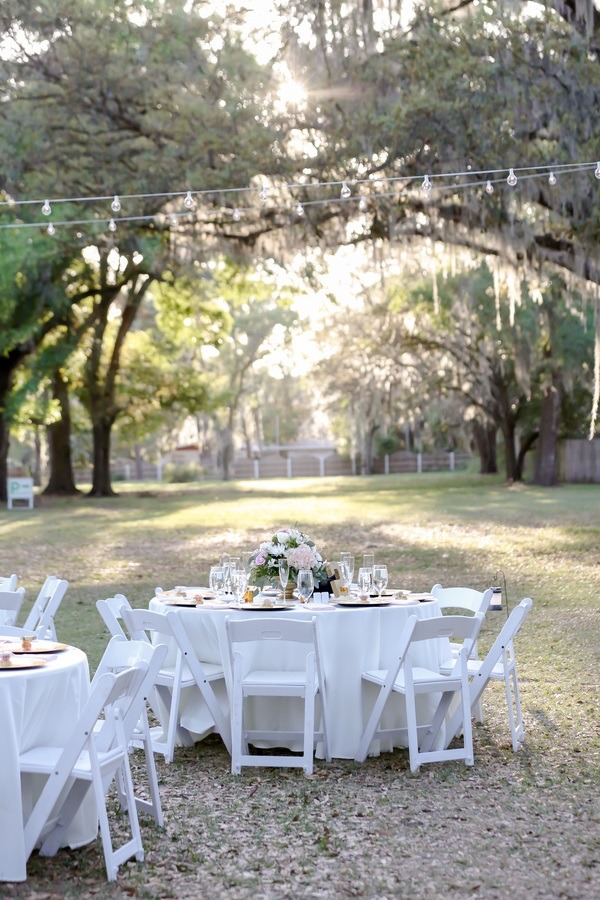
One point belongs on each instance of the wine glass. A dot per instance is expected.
(368, 562)
(284, 573)
(306, 584)
(364, 583)
(349, 560)
(380, 578)
(216, 579)
(247, 560)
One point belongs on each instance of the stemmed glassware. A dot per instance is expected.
(239, 580)
(364, 583)
(368, 562)
(216, 579)
(247, 560)
(348, 559)
(380, 578)
(305, 584)
(284, 573)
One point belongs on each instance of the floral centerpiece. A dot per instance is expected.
(290, 544)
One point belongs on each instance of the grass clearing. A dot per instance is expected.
(514, 823)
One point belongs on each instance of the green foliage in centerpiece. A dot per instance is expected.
(293, 545)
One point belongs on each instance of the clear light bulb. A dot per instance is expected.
(51, 230)
(299, 209)
(345, 191)
(189, 201)
(489, 187)
(112, 225)
(426, 186)
(512, 178)
(264, 195)
(236, 215)
(362, 204)
(552, 179)
(174, 220)
(116, 204)
(46, 208)
(596, 171)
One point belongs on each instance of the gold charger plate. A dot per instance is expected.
(256, 607)
(179, 601)
(38, 647)
(362, 604)
(24, 662)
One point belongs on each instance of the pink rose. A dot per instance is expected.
(260, 560)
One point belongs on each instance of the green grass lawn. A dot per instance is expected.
(453, 528)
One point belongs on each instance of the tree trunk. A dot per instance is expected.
(6, 378)
(524, 449)
(545, 460)
(510, 453)
(37, 459)
(62, 480)
(484, 435)
(139, 463)
(101, 483)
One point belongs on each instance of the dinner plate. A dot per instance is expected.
(383, 594)
(422, 598)
(38, 647)
(24, 662)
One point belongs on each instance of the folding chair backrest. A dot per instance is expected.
(14, 631)
(45, 626)
(270, 629)
(463, 598)
(502, 644)
(297, 631)
(121, 653)
(8, 582)
(10, 604)
(41, 602)
(110, 610)
(142, 622)
(464, 627)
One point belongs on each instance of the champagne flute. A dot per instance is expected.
(368, 562)
(364, 583)
(349, 560)
(380, 578)
(239, 580)
(306, 584)
(247, 560)
(284, 573)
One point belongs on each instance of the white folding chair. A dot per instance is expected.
(8, 582)
(187, 672)
(91, 758)
(14, 631)
(466, 600)
(500, 664)
(120, 654)
(110, 610)
(10, 605)
(409, 680)
(41, 616)
(306, 683)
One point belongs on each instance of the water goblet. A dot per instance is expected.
(305, 584)
(216, 579)
(380, 578)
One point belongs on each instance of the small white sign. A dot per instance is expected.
(19, 489)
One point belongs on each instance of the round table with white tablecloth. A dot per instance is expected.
(351, 640)
(38, 706)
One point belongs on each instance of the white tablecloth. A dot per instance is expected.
(37, 706)
(351, 641)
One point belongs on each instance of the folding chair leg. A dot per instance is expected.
(411, 722)
(515, 716)
(371, 728)
(309, 725)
